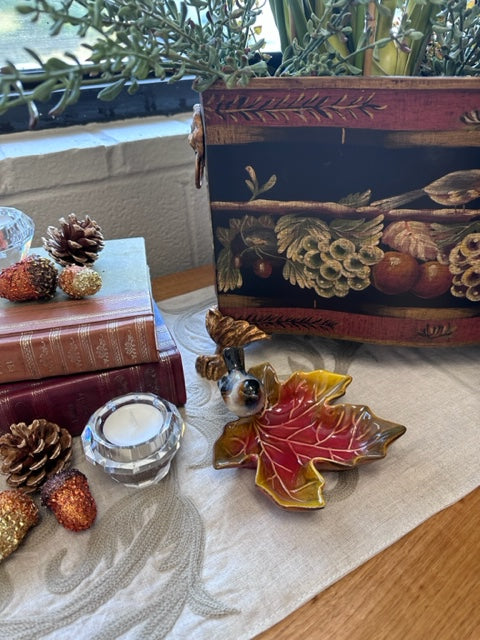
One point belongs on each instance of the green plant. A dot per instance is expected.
(218, 40)
(134, 39)
(381, 37)
(455, 50)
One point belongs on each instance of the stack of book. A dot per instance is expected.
(62, 359)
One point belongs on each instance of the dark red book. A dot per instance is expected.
(69, 401)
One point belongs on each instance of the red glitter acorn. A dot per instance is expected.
(34, 278)
(68, 495)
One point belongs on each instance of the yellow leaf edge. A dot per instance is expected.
(297, 505)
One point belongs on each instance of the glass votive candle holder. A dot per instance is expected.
(134, 438)
(16, 235)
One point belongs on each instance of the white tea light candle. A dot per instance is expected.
(132, 424)
(134, 438)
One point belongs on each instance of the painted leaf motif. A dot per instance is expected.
(229, 277)
(415, 238)
(300, 433)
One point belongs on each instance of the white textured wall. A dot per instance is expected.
(134, 178)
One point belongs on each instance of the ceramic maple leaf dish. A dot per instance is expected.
(298, 433)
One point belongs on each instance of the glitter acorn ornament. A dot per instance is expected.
(68, 496)
(18, 514)
(34, 278)
(78, 282)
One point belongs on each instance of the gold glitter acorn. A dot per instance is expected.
(32, 453)
(68, 495)
(18, 513)
(34, 278)
(78, 282)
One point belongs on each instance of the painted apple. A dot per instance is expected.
(395, 273)
(434, 280)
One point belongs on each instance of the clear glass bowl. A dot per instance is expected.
(16, 235)
(142, 453)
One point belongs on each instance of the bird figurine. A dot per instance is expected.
(242, 393)
(452, 190)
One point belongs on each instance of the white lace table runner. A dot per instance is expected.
(204, 554)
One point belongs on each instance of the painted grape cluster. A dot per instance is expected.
(464, 264)
(330, 258)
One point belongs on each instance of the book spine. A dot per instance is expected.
(69, 401)
(32, 355)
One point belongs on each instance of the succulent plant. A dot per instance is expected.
(217, 40)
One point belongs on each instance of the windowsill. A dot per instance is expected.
(31, 143)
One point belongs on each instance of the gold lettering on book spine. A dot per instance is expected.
(73, 353)
(8, 366)
(30, 361)
(114, 342)
(59, 350)
(141, 331)
(130, 346)
(87, 347)
(45, 357)
(101, 350)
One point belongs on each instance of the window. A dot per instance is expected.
(153, 98)
(17, 32)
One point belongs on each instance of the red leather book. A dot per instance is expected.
(114, 328)
(70, 400)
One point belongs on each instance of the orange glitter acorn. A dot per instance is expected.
(34, 278)
(18, 513)
(68, 495)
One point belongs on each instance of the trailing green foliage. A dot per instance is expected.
(210, 40)
(215, 40)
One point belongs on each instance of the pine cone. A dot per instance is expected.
(33, 278)
(33, 453)
(75, 241)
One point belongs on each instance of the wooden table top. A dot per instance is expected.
(426, 585)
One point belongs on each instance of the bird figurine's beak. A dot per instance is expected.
(242, 393)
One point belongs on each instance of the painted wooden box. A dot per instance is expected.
(348, 208)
